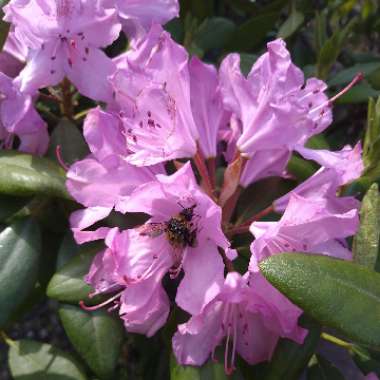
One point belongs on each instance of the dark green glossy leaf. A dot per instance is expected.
(68, 249)
(366, 360)
(67, 285)
(4, 26)
(345, 76)
(320, 30)
(22, 174)
(301, 168)
(291, 24)
(366, 241)
(72, 144)
(214, 32)
(10, 205)
(318, 142)
(252, 32)
(31, 360)
(290, 359)
(339, 294)
(246, 62)
(371, 146)
(198, 8)
(322, 369)
(96, 336)
(331, 50)
(209, 371)
(20, 246)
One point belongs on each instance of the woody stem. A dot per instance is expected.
(203, 172)
(229, 207)
(211, 165)
(244, 227)
(67, 104)
(226, 260)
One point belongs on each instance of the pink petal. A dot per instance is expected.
(204, 277)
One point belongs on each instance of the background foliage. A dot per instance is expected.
(41, 268)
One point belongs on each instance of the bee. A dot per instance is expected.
(179, 229)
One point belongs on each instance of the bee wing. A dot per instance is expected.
(152, 229)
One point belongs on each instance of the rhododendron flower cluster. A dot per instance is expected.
(177, 140)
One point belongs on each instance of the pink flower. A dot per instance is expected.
(276, 108)
(315, 225)
(12, 58)
(338, 168)
(192, 245)
(183, 233)
(64, 38)
(206, 104)
(143, 305)
(153, 93)
(137, 16)
(102, 181)
(264, 164)
(251, 316)
(19, 118)
(371, 376)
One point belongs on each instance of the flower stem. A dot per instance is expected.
(82, 114)
(203, 172)
(6, 338)
(211, 165)
(67, 104)
(52, 97)
(244, 227)
(226, 260)
(229, 207)
(336, 341)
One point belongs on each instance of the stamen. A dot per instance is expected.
(358, 77)
(96, 307)
(59, 157)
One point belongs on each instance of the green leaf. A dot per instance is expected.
(252, 32)
(301, 168)
(31, 360)
(209, 371)
(366, 241)
(246, 62)
(365, 360)
(68, 249)
(331, 49)
(72, 144)
(345, 76)
(199, 8)
(67, 285)
(96, 336)
(358, 94)
(10, 205)
(318, 142)
(214, 33)
(371, 146)
(338, 294)
(20, 246)
(322, 369)
(23, 175)
(291, 24)
(320, 34)
(290, 359)
(4, 26)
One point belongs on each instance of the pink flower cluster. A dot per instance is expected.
(169, 121)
